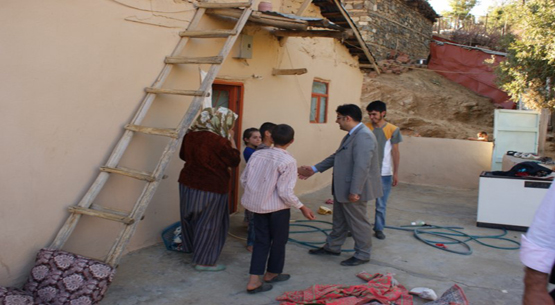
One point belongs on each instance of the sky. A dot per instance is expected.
(479, 10)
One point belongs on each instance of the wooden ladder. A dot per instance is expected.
(131, 220)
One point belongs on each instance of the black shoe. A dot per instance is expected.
(262, 288)
(322, 251)
(379, 235)
(353, 261)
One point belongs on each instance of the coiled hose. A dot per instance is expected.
(451, 234)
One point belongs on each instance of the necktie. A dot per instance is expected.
(345, 138)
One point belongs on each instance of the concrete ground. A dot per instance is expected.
(488, 276)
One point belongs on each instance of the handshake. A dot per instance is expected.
(304, 172)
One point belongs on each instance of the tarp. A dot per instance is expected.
(465, 65)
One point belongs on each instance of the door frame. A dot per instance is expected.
(237, 90)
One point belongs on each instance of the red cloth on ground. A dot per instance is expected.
(379, 288)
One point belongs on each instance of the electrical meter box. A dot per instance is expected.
(245, 47)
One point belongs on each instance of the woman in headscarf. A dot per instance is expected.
(208, 150)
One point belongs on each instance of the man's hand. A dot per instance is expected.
(307, 213)
(354, 197)
(395, 180)
(305, 172)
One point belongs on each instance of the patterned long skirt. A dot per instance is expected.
(204, 223)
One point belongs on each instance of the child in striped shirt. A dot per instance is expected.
(269, 180)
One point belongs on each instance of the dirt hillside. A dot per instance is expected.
(424, 103)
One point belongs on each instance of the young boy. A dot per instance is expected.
(266, 133)
(269, 180)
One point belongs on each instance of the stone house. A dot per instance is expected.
(394, 25)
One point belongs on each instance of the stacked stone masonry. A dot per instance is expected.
(391, 25)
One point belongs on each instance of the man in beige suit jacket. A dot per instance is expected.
(356, 180)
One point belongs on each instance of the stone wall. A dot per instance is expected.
(388, 25)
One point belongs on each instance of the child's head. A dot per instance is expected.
(251, 137)
(283, 134)
(266, 131)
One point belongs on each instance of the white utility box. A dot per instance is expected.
(509, 202)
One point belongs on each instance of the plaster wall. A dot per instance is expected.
(444, 162)
(72, 74)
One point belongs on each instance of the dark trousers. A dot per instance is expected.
(270, 237)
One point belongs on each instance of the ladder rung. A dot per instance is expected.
(166, 132)
(102, 214)
(128, 172)
(194, 60)
(177, 92)
(223, 4)
(208, 33)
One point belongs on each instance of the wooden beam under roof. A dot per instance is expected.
(257, 17)
(314, 33)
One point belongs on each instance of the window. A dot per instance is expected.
(319, 102)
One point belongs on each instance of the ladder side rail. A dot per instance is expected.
(149, 98)
(123, 239)
(123, 143)
(149, 190)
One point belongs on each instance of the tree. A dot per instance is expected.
(460, 9)
(529, 71)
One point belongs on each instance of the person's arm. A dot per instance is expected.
(230, 155)
(232, 139)
(182, 150)
(537, 250)
(535, 288)
(364, 147)
(325, 164)
(396, 155)
(286, 185)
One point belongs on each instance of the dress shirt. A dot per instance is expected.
(269, 180)
(538, 246)
(349, 134)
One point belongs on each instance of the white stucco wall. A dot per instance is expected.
(72, 74)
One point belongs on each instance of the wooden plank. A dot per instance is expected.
(314, 33)
(166, 132)
(303, 7)
(129, 173)
(279, 22)
(208, 33)
(109, 210)
(332, 15)
(214, 60)
(101, 214)
(289, 71)
(208, 5)
(176, 92)
(366, 66)
(545, 115)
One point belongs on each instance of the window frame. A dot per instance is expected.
(318, 97)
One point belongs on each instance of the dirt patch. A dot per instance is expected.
(424, 103)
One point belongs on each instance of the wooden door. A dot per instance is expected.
(230, 95)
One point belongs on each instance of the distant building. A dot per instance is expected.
(394, 25)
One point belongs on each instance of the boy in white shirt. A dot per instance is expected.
(269, 180)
